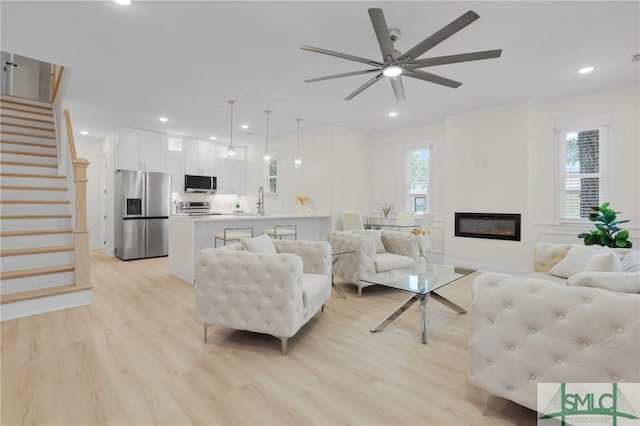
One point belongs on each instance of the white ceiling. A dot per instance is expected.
(184, 60)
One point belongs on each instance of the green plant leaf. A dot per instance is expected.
(609, 217)
(621, 243)
(605, 205)
(622, 235)
(622, 221)
(603, 229)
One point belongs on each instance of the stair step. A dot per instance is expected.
(31, 258)
(34, 294)
(53, 183)
(29, 134)
(30, 188)
(34, 232)
(35, 159)
(31, 167)
(31, 239)
(26, 114)
(32, 103)
(36, 282)
(27, 153)
(11, 142)
(21, 195)
(34, 250)
(31, 207)
(43, 224)
(33, 272)
(18, 127)
(11, 118)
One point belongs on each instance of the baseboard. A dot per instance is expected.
(25, 308)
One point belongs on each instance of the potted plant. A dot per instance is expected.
(607, 232)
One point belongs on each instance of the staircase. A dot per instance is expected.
(37, 266)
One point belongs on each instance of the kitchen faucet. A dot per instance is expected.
(260, 202)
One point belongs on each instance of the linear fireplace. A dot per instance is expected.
(497, 226)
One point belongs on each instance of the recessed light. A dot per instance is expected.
(245, 126)
(123, 2)
(393, 114)
(213, 138)
(84, 132)
(585, 70)
(163, 119)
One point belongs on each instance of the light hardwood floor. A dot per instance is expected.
(136, 357)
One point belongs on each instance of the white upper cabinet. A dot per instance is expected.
(231, 173)
(141, 150)
(199, 157)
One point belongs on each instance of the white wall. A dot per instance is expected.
(503, 160)
(334, 172)
(624, 160)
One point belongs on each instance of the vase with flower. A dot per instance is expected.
(303, 209)
(420, 233)
(386, 209)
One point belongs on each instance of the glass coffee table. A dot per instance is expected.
(422, 281)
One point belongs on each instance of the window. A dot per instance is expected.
(582, 177)
(272, 176)
(417, 191)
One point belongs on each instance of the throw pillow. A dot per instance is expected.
(623, 282)
(375, 235)
(259, 244)
(574, 262)
(631, 262)
(604, 260)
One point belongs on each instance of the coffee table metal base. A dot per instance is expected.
(423, 319)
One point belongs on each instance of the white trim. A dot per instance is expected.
(42, 305)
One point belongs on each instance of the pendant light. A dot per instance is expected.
(232, 152)
(297, 161)
(266, 157)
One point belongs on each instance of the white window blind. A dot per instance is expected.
(272, 176)
(417, 190)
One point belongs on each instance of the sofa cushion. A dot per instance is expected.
(623, 282)
(313, 285)
(388, 261)
(604, 260)
(375, 235)
(546, 277)
(631, 262)
(259, 244)
(575, 261)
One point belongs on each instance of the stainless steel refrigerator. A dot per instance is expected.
(142, 207)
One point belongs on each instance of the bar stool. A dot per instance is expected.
(279, 231)
(232, 234)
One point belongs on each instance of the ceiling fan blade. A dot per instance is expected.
(398, 88)
(346, 74)
(342, 55)
(426, 76)
(451, 59)
(439, 36)
(382, 33)
(364, 86)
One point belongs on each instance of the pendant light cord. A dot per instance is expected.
(231, 102)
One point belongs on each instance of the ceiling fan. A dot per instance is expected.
(394, 64)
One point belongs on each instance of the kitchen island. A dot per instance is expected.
(190, 234)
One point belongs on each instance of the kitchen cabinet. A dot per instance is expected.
(199, 157)
(232, 176)
(140, 150)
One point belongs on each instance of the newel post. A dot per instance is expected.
(81, 232)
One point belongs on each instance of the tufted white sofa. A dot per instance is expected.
(396, 250)
(263, 292)
(536, 329)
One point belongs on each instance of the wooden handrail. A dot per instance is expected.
(72, 142)
(55, 81)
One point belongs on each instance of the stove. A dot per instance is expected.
(193, 208)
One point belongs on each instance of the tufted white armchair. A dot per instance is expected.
(528, 330)
(396, 250)
(263, 292)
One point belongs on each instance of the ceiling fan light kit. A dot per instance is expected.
(395, 64)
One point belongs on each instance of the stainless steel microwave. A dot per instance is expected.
(195, 183)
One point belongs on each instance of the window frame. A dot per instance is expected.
(599, 122)
(275, 156)
(407, 150)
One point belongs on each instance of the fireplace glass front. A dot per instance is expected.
(497, 226)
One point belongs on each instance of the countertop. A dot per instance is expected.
(247, 216)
